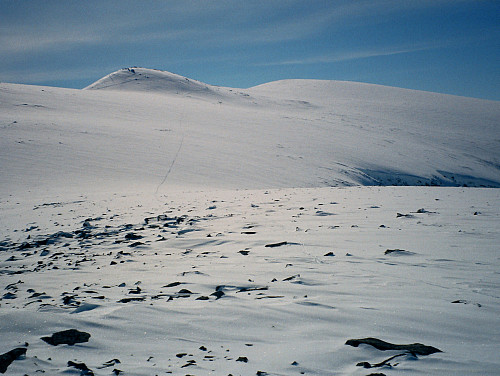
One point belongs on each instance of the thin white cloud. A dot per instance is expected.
(209, 23)
(40, 76)
(341, 56)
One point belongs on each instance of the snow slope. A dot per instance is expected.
(295, 133)
(202, 230)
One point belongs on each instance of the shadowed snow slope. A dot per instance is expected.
(159, 130)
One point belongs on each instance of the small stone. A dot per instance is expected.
(86, 371)
(218, 294)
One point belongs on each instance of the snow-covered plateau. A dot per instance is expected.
(152, 224)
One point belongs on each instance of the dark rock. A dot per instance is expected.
(173, 284)
(246, 289)
(136, 244)
(381, 364)
(244, 253)
(128, 300)
(400, 215)
(70, 300)
(7, 358)
(132, 236)
(69, 337)
(110, 363)
(117, 371)
(9, 295)
(203, 297)
(329, 254)
(203, 348)
(190, 362)
(181, 355)
(86, 371)
(272, 245)
(218, 294)
(397, 252)
(243, 359)
(137, 290)
(414, 348)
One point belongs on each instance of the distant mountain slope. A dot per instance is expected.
(150, 80)
(145, 129)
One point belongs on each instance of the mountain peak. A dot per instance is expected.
(149, 80)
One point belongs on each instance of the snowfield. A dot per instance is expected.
(187, 229)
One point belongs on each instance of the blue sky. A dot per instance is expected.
(447, 46)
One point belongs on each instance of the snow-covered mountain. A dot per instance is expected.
(149, 80)
(135, 125)
(152, 224)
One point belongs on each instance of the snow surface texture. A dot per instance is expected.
(192, 229)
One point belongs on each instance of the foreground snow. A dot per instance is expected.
(140, 272)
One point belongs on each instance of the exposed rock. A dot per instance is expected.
(173, 284)
(398, 252)
(69, 337)
(272, 245)
(7, 358)
(399, 215)
(128, 300)
(132, 236)
(381, 364)
(86, 371)
(414, 348)
(218, 294)
(109, 363)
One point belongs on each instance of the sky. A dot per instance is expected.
(445, 46)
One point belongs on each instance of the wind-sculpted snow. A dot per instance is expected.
(253, 282)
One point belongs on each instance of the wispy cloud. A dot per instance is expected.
(47, 75)
(355, 54)
(72, 25)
